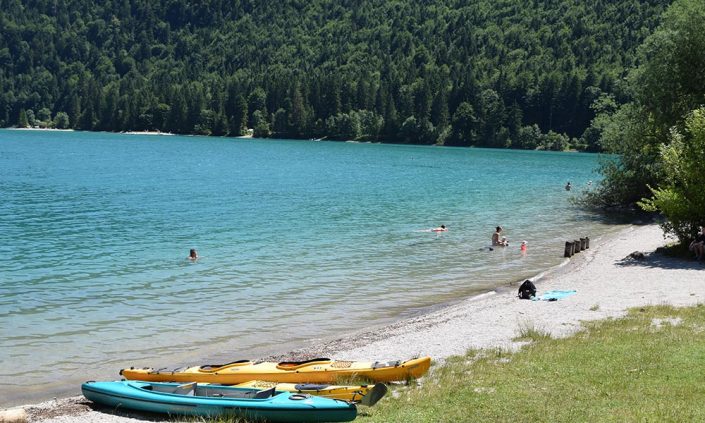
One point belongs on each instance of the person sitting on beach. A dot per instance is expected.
(441, 228)
(698, 245)
(193, 255)
(496, 241)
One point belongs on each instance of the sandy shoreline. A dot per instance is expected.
(607, 284)
(40, 129)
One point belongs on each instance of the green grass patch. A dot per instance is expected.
(532, 333)
(647, 366)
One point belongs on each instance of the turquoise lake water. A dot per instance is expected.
(299, 240)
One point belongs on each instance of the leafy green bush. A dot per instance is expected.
(681, 197)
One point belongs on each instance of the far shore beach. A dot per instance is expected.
(40, 129)
(607, 280)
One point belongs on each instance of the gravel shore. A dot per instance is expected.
(607, 280)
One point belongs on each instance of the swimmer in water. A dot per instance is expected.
(523, 247)
(193, 255)
(496, 241)
(568, 186)
(441, 228)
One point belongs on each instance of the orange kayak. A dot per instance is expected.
(319, 370)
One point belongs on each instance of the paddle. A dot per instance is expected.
(375, 394)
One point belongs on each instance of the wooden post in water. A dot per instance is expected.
(587, 242)
(568, 249)
(576, 246)
(583, 244)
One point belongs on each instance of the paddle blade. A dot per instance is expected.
(375, 394)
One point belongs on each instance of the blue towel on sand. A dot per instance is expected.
(554, 295)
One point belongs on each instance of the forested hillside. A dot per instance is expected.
(506, 73)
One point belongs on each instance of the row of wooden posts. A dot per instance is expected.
(576, 246)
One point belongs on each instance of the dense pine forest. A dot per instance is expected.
(507, 73)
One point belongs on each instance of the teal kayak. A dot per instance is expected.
(217, 400)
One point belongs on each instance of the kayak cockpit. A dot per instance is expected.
(193, 389)
(218, 367)
(293, 365)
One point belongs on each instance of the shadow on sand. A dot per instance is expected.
(660, 261)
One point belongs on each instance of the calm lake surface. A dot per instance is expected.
(299, 240)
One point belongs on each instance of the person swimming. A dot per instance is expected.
(568, 186)
(441, 228)
(192, 254)
(523, 247)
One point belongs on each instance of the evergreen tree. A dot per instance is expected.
(465, 125)
(260, 125)
(280, 123)
(297, 114)
(22, 120)
(238, 120)
(256, 101)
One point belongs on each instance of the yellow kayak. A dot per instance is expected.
(319, 370)
(366, 394)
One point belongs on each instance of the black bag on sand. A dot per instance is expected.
(527, 290)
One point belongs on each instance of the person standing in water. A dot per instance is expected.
(496, 240)
(568, 186)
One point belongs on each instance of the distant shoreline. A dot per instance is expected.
(41, 129)
(323, 138)
(146, 133)
(73, 130)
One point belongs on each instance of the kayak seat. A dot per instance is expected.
(265, 393)
(188, 389)
(379, 365)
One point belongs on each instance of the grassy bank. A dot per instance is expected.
(648, 366)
